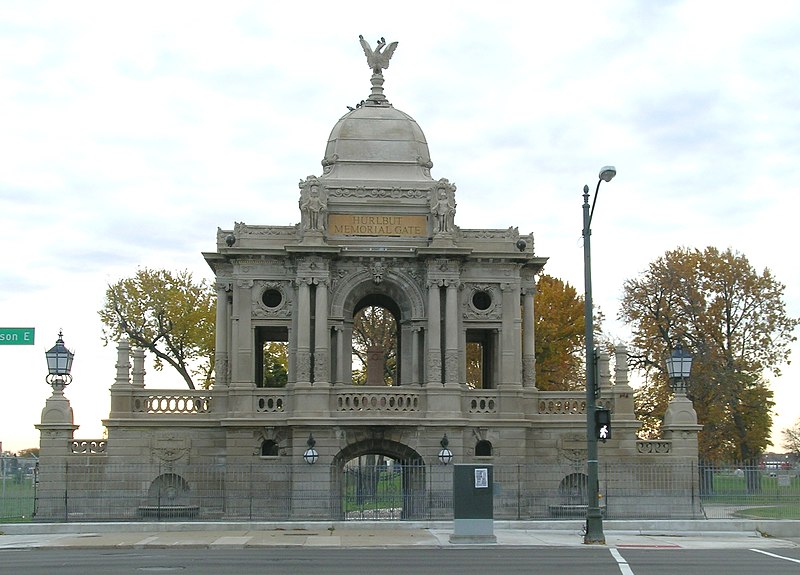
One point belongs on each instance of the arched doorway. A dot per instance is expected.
(376, 341)
(380, 479)
(398, 293)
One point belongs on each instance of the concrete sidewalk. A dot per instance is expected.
(622, 534)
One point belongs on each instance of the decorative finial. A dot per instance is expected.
(377, 60)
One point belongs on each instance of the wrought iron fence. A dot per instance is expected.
(90, 489)
(18, 490)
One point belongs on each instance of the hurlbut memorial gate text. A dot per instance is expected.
(376, 230)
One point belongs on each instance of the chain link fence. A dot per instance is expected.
(89, 489)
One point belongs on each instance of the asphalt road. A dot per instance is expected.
(489, 561)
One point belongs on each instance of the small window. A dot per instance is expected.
(269, 448)
(272, 298)
(483, 449)
(481, 300)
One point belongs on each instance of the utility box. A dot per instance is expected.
(473, 504)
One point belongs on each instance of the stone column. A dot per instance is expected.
(434, 335)
(138, 372)
(303, 371)
(340, 365)
(451, 333)
(221, 366)
(55, 445)
(623, 392)
(415, 365)
(528, 338)
(243, 373)
(322, 338)
(121, 390)
(511, 367)
(603, 374)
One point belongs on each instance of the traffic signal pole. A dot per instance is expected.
(594, 519)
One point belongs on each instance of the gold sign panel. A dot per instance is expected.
(377, 225)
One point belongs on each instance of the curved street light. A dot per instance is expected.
(594, 517)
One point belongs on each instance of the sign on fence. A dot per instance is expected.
(16, 335)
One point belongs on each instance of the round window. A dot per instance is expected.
(481, 300)
(272, 298)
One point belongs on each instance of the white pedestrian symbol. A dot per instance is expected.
(604, 432)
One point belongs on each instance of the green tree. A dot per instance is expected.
(168, 314)
(276, 364)
(560, 336)
(734, 322)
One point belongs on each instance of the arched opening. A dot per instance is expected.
(573, 489)
(376, 341)
(380, 479)
(269, 448)
(168, 496)
(483, 448)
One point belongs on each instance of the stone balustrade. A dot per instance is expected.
(88, 446)
(654, 446)
(269, 401)
(570, 405)
(560, 405)
(388, 400)
(482, 403)
(188, 402)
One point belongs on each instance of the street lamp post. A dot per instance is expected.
(594, 517)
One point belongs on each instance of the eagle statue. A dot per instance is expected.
(378, 59)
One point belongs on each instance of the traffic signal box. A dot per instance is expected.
(602, 423)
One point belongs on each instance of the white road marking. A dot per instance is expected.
(776, 556)
(624, 568)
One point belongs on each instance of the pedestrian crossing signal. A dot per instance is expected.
(602, 424)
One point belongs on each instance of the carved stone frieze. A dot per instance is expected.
(572, 448)
(274, 299)
(170, 447)
(451, 366)
(387, 193)
(321, 366)
(434, 367)
(377, 269)
(242, 230)
(303, 366)
(481, 302)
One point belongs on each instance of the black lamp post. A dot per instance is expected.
(310, 455)
(679, 367)
(594, 517)
(59, 364)
(445, 455)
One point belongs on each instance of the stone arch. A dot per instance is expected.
(378, 445)
(169, 496)
(394, 290)
(408, 468)
(396, 285)
(483, 448)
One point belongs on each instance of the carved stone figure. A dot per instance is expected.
(444, 207)
(313, 205)
(378, 59)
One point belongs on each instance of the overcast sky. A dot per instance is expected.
(130, 131)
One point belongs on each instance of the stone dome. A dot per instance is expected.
(377, 142)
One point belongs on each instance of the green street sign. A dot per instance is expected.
(16, 335)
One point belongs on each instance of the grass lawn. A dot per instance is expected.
(16, 501)
(780, 512)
